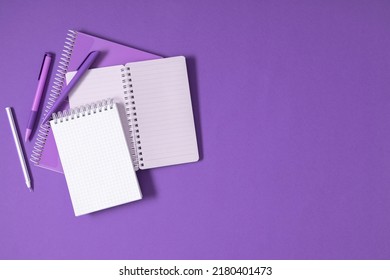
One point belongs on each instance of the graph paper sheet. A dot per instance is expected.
(96, 159)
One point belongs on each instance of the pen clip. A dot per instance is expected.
(81, 64)
(43, 62)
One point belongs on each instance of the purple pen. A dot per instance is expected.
(83, 68)
(38, 94)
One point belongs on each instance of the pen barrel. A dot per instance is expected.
(41, 83)
(31, 120)
(18, 144)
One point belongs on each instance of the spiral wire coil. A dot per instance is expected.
(59, 79)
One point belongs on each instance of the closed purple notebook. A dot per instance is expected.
(77, 46)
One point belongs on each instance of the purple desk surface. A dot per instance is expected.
(292, 110)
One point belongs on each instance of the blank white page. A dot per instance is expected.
(99, 84)
(96, 160)
(163, 112)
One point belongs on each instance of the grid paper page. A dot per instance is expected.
(96, 161)
(164, 112)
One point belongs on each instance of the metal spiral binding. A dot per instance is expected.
(82, 111)
(55, 92)
(131, 114)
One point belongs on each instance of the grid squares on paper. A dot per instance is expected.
(96, 161)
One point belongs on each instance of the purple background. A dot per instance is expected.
(292, 108)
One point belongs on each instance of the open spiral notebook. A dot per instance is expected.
(154, 99)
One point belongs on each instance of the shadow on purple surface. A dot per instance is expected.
(146, 182)
(193, 80)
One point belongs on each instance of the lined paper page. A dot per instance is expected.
(96, 161)
(164, 112)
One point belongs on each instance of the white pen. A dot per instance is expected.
(18, 147)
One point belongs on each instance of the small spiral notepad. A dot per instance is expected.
(95, 156)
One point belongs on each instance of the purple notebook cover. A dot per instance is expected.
(111, 54)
